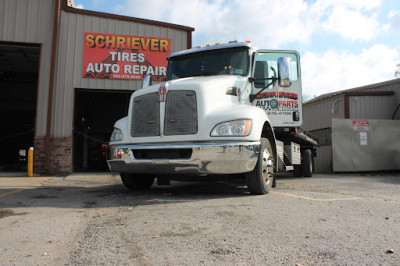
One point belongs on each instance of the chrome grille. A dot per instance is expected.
(180, 113)
(146, 116)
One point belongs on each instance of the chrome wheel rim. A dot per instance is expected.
(266, 164)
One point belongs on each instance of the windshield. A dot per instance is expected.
(233, 61)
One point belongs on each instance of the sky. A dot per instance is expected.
(343, 44)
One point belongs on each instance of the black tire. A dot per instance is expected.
(261, 179)
(306, 163)
(297, 172)
(137, 181)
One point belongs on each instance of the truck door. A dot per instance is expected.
(282, 103)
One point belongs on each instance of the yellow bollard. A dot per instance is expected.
(30, 162)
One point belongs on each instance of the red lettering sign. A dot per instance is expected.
(361, 126)
(112, 56)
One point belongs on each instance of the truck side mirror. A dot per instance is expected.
(146, 81)
(284, 71)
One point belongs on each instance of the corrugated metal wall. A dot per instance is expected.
(318, 115)
(375, 107)
(70, 57)
(317, 119)
(323, 161)
(372, 107)
(31, 21)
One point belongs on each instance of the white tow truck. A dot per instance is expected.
(225, 110)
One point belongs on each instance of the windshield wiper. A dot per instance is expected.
(253, 96)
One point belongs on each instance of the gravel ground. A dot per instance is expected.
(92, 219)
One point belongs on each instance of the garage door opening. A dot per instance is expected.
(19, 68)
(95, 113)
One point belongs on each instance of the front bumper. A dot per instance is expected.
(203, 158)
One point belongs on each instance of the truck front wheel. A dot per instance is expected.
(137, 181)
(260, 180)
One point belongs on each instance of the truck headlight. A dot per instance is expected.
(116, 135)
(236, 128)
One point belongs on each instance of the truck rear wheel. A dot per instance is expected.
(260, 180)
(297, 172)
(306, 164)
(137, 181)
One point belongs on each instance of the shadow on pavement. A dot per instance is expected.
(105, 191)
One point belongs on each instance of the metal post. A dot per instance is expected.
(30, 162)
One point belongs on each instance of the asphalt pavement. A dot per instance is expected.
(91, 219)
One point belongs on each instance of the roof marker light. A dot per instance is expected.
(248, 41)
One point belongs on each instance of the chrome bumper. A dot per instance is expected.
(210, 158)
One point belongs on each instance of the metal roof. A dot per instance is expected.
(362, 88)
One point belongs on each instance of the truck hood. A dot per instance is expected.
(208, 80)
(211, 91)
(216, 83)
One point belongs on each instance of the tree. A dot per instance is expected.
(397, 72)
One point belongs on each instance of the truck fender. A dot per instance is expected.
(122, 124)
(268, 132)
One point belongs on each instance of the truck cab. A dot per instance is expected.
(218, 114)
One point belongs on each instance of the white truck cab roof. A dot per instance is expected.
(211, 47)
